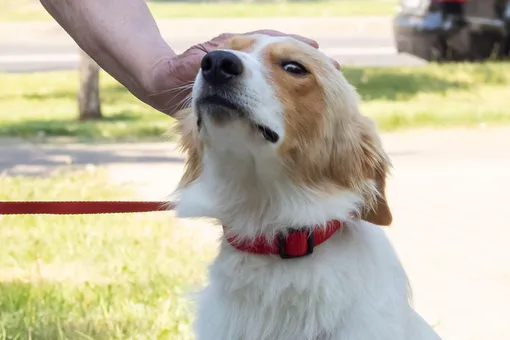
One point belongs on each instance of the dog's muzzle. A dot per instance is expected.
(218, 99)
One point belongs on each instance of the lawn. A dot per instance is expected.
(397, 98)
(22, 10)
(45, 104)
(86, 277)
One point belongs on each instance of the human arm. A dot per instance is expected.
(120, 35)
(123, 38)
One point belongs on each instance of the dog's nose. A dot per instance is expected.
(219, 67)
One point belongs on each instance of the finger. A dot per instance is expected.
(308, 41)
(274, 33)
(336, 64)
(222, 37)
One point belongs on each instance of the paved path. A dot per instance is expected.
(449, 193)
(44, 46)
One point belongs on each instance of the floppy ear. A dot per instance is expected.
(378, 212)
(356, 159)
(336, 64)
(190, 144)
(376, 165)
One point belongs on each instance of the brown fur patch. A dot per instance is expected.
(328, 144)
(301, 96)
(239, 43)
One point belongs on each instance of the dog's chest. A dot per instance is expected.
(254, 300)
(351, 288)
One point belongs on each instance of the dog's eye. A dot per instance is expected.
(294, 68)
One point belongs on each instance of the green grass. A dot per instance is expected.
(88, 277)
(430, 96)
(438, 96)
(45, 103)
(19, 10)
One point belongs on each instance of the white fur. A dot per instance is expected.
(353, 286)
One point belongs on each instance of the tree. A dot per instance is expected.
(89, 104)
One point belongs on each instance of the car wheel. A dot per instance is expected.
(485, 46)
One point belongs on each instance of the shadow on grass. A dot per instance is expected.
(387, 84)
(19, 160)
(126, 124)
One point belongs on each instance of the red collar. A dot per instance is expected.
(298, 243)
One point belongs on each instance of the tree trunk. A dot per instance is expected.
(89, 103)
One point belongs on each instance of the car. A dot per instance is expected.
(453, 30)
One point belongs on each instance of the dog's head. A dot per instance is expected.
(284, 104)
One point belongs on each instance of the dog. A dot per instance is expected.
(279, 153)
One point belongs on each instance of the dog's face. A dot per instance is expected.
(283, 101)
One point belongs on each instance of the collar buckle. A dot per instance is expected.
(282, 243)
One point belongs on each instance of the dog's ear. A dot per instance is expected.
(379, 211)
(377, 164)
(187, 127)
(336, 64)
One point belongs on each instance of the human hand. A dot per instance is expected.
(173, 77)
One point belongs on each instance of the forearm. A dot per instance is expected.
(120, 35)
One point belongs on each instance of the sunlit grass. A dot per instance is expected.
(94, 277)
(429, 96)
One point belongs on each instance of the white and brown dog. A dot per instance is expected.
(279, 153)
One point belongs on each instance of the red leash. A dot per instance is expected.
(81, 207)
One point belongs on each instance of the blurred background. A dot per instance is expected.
(433, 74)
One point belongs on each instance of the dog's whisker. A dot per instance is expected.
(185, 102)
(186, 86)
